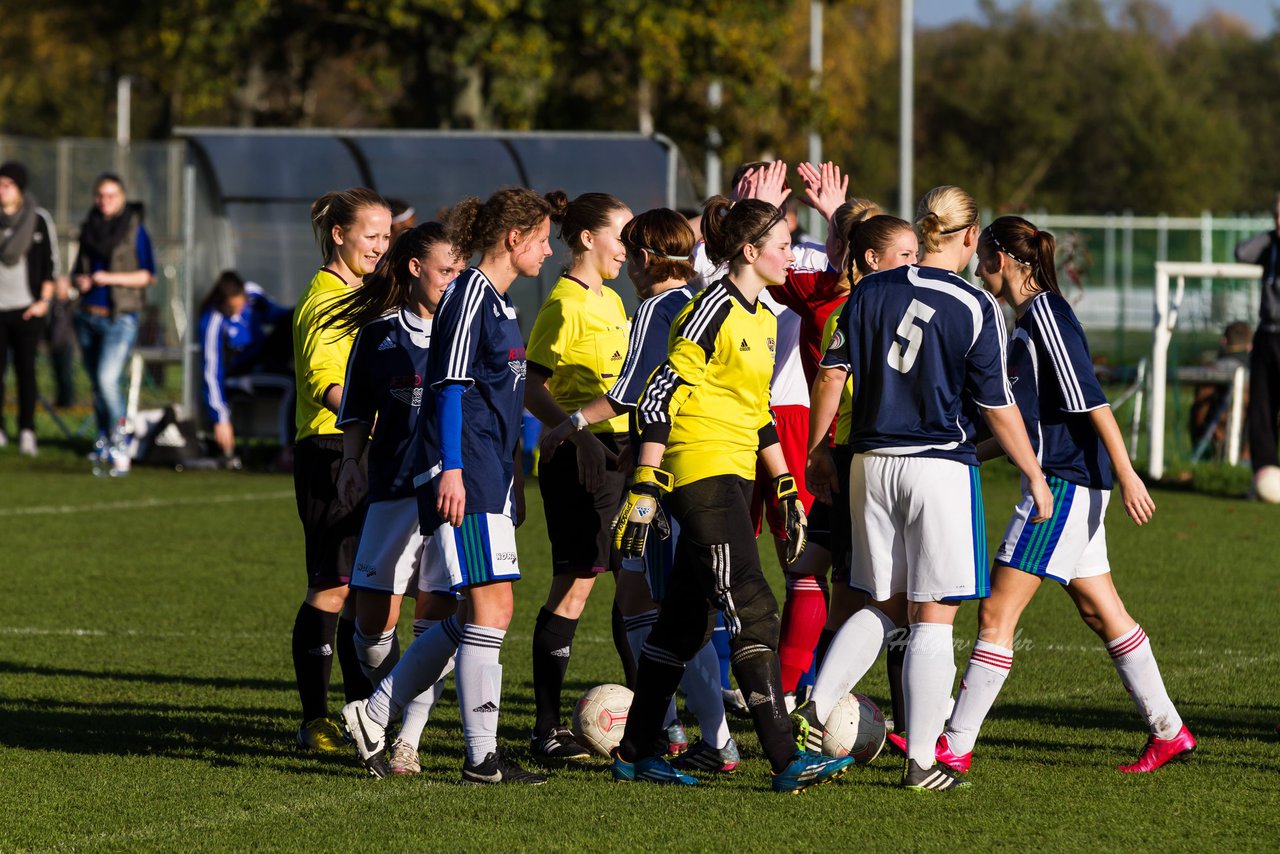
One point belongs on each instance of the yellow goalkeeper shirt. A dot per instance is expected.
(709, 401)
(319, 355)
(844, 416)
(579, 340)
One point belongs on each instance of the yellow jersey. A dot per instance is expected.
(580, 340)
(844, 416)
(709, 402)
(319, 355)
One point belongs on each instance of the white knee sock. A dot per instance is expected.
(421, 666)
(373, 651)
(479, 683)
(638, 628)
(927, 674)
(1136, 663)
(701, 685)
(418, 712)
(852, 652)
(983, 678)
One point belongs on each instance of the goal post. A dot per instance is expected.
(1167, 306)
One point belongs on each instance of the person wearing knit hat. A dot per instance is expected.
(26, 287)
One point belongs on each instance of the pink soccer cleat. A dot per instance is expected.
(1161, 751)
(941, 751)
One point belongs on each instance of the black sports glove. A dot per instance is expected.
(784, 488)
(640, 509)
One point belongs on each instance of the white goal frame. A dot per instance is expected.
(1166, 318)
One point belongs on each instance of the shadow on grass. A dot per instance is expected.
(152, 678)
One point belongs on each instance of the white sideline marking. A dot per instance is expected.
(141, 504)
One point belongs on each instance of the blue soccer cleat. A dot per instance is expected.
(809, 769)
(651, 769)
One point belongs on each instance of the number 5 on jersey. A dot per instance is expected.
(902, 357)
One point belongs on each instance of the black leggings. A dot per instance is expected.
(21, 336)
(717, 569)
(1264, 398)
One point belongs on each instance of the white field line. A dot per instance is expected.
(142, 504)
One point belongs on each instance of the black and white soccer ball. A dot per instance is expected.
(855, 728)
(600, 717)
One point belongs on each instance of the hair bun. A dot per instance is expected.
(559, 202)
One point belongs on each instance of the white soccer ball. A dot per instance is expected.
(1266, 484)
(601, 716)
(855, 728)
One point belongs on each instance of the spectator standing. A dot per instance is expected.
(1264, 358)
(114, 266)
(26, 287)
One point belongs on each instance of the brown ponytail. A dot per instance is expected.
(476, 225)
(1025, 245)
(588, 212)
(728, 226)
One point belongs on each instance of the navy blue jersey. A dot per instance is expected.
(477, 345)
(925, 348)
(222, 340)
(384, 386)
(650, 334)
(1053, 381)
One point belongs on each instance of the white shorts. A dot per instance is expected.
(393, 554)
(918, 528)
(481, 550)
(1071, 544)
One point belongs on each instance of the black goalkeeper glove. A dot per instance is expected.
(784, 488)
(640, 509)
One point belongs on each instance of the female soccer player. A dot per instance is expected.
(576, 351)
(352, 228)
(704, 415)
(659, 244)
(923, 348)
(393, 313)
(1079, 444)
(469, 493)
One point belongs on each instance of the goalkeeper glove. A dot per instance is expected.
(640, 509)
(797, 524)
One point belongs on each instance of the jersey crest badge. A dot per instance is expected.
(773, 345)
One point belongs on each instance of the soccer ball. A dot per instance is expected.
(855, 728)
(601, 716)
(1266, 484)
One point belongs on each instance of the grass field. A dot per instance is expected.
(147, 699)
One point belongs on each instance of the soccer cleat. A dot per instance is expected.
(651, 769)
(937, 778)
(703, 757)
(810, 769)
(941, 751)
(808, 729)
(557, 743)
(673, 741)
(322, 735)
(403, 758)
(370, 738)
(1161, 751)
(496, 768)
(27, 443)
(734, 703)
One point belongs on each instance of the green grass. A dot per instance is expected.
(147, 699)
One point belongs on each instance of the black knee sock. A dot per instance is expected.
(623, 646)
(760, 675)
(355, 685)
(657, 677)
(820, 651)
(894, 657)
(313, 659)
(552, 646)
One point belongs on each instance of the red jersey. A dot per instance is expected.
(814, 295)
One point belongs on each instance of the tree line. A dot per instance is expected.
(1084, 106)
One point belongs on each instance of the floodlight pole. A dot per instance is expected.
(906, 110)
(815, 86)
(715, 95)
